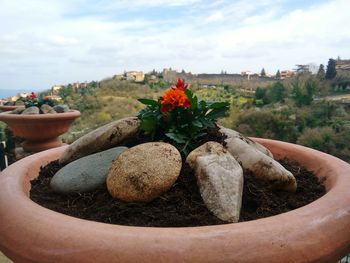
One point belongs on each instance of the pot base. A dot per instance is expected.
(38, 146)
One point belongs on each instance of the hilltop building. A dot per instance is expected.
(247, 74)
(137, 76)
(56, 88)
(342, 65)
(286, 74)
(77, 86)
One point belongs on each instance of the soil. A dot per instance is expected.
(181, 206)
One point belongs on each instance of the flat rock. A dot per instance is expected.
(219, 178)
(85, 174)
(260, 164)
(47, 109)
(105, 137)
(144, 172)
(31, 111)
(234, 134)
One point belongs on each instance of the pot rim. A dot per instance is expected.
(8, 116)
(317, 232)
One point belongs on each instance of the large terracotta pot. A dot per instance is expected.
(40, 131)
(318, 232)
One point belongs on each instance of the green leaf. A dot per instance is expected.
(219, 105)
(197, 123)
(179, 138)
(216, 113)
(148, 125)
(148, 102)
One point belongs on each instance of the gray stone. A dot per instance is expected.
(61, 108)
(105, 137)
(144, 172)
(47, 109)
(31, 111)
(85, 174)
(219, 178)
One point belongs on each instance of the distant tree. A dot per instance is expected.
(303, 94)
(331, 71)
(321, 72)
(277, 92)
(260, 93)
(260, 97)
(278, 74)
(302, 69)
(263, 73)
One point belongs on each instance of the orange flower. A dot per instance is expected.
(174, 98)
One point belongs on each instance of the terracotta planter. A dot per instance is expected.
(7, 107)
(318, 232)
(40, 131)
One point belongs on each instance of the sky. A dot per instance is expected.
(48, 42)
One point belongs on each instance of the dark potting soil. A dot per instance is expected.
(181, 206)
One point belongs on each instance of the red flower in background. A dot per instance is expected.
(181, 85)
(32, 96)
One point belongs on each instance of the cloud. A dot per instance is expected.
(44, 43)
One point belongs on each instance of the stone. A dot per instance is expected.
(19, 103)
(144, 172)
(85, 174)
(31, 111)
(18, 110)
(61, 108)
(260, 164)
(105, 137)
(234, 134)
(220, 180)
(47, 109)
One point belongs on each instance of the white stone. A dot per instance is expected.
(105, 137)
(260, 164)
(220, 180)
(234, 134)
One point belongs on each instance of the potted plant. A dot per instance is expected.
(38, 123)
(317, 232)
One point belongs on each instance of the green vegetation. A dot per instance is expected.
(291, 110)
(179, 116)
(301, 110)
(331, 71)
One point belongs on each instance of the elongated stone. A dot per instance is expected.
(260, 164)
(219, 178)
(105, 137)
(234, 134)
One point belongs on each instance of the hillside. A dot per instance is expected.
(292, 111)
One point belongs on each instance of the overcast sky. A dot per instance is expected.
(47, 42)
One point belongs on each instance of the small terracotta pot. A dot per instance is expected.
(8, 107)
(318, 232)
(40, 131)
